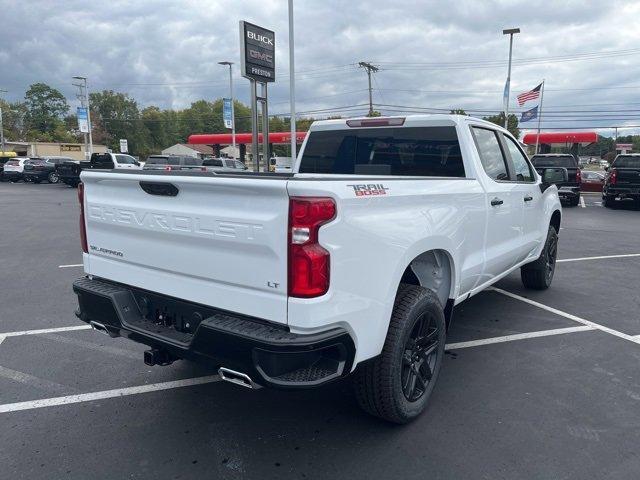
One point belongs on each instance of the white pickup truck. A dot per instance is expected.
(352, 263)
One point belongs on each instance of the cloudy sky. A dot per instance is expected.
(431, 54)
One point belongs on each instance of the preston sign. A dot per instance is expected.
(258, 48)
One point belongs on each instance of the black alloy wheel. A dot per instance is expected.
(420, 356)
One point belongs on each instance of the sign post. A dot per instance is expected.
(124, 145)
(257, 46)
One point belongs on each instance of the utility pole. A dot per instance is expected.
(369, 68)
(507, 86)
(2, 125)
(83, 96)
(292, 86)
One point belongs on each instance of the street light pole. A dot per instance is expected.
(292, 84)
(233, 112)
(2, 126)
(507, 87)
(88, 107)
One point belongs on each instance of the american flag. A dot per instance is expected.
(530, 95)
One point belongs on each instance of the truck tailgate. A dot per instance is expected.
(220, 242)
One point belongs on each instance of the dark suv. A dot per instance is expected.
(569, 190)
(43, 168)
(623, 180)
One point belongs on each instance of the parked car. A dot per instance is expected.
(280, 164)
(172, 162)
(69, 172)
(40, 169)
(623, 180)
(569, 190)
(294, 281)
(13, 169)
(604, 164)
(221, 165)
(591, 181)
(4, 158)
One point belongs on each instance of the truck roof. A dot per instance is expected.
(423, 120)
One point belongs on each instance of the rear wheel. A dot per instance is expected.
(538, 274)
(609, 201)
(53, 177)
(396, 385)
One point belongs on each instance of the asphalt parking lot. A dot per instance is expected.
(535, 385)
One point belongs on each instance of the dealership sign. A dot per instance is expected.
(124, 145)
(83, 119)
(258, 49)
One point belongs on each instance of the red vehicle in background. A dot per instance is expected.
(591, 181)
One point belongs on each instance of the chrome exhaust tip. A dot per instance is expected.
(99, 327)
(238, 378)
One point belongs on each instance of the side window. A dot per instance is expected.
(490, 153)
(521, 166)
(190, 161)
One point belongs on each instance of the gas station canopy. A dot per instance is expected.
(561, 139)
(243, 138)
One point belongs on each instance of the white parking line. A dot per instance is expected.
(575, 318)
(71, 266)
(44, 330)
(582, 202)
(518, 336)
(32, 381)
(602, 257)
(119, 392)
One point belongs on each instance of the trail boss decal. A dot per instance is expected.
(369, 189)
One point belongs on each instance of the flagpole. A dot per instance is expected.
(540, 116)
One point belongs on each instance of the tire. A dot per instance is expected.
(538, 274)
(608, 201)
(53, 177)
(383, 384)
(575, 202)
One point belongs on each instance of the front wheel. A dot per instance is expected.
(538, 274)
(53, 177)
(396, 385)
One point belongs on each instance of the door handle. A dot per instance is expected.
(528, 199)
(496, 201)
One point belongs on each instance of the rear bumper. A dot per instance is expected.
(270, 354)
(622, 192)
(569, 192)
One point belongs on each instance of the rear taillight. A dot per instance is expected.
(308, 260)
(578, 176)
(613, 176)
(83, 226)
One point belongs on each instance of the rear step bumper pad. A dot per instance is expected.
(270, 354)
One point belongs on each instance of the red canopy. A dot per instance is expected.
(225, 138)
(561, 138)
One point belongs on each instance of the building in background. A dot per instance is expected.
(199, 151)
(42, 149)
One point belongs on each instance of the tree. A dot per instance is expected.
(45, 109)
(512, 124)
(121, 119)
(459, 111)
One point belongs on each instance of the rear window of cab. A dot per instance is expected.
(401, 151)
